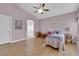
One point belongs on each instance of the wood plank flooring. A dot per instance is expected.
(35, 47)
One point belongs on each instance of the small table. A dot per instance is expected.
(42, 35)
(68, 38)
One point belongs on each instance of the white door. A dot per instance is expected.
(5, 29)
(30, 29)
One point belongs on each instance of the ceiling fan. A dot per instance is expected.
(41, 8)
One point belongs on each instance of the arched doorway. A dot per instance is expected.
(30, 29)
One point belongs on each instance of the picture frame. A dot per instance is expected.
(18, 24)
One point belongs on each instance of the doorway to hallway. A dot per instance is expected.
(30, 29)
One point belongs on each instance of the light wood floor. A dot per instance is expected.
(35, 47)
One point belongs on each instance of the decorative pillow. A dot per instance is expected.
(49, 33)
(56, 32)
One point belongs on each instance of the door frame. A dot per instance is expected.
(26, 28)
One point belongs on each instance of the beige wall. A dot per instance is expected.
(18, 14)
(60, 22)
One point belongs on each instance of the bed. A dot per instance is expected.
(55, 39)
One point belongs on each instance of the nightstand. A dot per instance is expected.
(68, 38)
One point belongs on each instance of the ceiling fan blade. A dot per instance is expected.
(43, 4)
(41, 12)
(34, 7)
(45, 9)
(35, 11)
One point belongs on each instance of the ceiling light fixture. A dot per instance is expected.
(40, 10)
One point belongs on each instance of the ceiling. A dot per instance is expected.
(54, 9)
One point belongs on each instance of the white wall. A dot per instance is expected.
(17, 14)
(61, 21)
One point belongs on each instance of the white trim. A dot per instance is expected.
(17, 40)
(1, 43)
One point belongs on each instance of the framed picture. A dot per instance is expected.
(18, 24)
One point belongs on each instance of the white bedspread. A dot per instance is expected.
(55, 39)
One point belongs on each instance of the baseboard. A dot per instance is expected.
(1, 43)
(17, 40)
(20, 40)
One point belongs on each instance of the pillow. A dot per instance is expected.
(56, 32)
(49, 33)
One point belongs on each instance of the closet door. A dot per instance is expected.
(5, 29)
